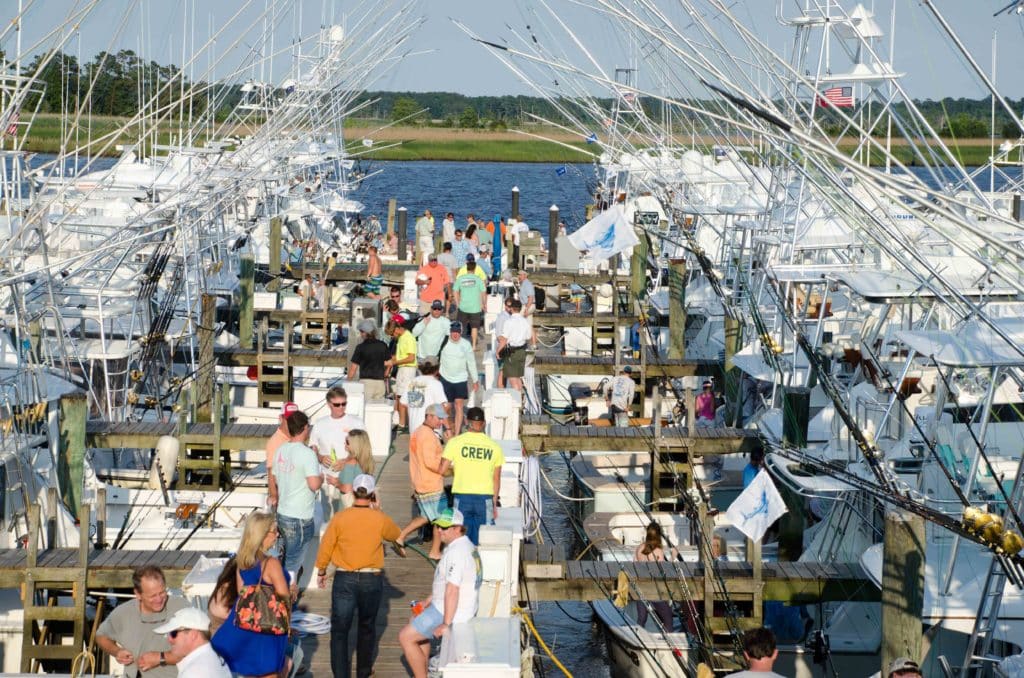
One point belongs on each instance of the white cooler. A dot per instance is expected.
(378, 425)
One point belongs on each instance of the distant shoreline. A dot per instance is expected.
(422, 143)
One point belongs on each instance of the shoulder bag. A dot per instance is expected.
(260, 609)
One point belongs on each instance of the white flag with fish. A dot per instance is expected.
(757, 507)
(606, 235)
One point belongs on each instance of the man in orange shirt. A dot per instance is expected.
(279, 437)
(427, 482)
(354, 543)
(434, 283)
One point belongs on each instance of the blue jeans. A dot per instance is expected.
(477, 510)
(295, 537)
(352, 592)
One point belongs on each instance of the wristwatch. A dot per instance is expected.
(322, 573)
(163, 659)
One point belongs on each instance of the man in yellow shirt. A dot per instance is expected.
(354, 543)
(476, 459)
(403, 365)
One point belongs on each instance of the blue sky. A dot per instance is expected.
(455, 63)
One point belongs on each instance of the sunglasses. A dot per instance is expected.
(174, 634)
(343, 403)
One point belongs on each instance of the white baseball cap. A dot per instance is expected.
(365, 482)
(185, 618)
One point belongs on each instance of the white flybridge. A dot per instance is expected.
(874, 307)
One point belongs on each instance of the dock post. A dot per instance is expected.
(733, 339)
(515, 204)
(638, 272)
(677, 309)
(902, 586)
(392, 205)
(553, 234)
(74, 410)
(246, 287)
(274, 264)
(51, 517)
(205, 372)
(403, 233)
(101, 518)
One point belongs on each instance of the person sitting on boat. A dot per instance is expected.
(760, 652)
(374, 274)
(704, 406)
(127, 633)
(619, 392)
(454, 595)
(652, 550)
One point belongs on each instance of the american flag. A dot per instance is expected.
(12, 124)
(837, 97)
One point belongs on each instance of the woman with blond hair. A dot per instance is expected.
(246, 652)
(359, 460)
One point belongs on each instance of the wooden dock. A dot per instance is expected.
(540, 434)
(395, 273)
(655, 367)
(144, 434)
(406, 579)
(107, 568)
(548, 576)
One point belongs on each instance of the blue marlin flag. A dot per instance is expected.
(560, 171)
(592, 138)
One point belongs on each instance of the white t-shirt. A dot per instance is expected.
(517, 330)
(203, 661)
(328, 432)
(517, 230)
(423, 392)
(622, 390)
(460, 564)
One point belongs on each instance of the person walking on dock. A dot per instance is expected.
(471, 298)
(127, 633)
(431, 331)
(354, 544)
(404, 364)
(425, 390)
(327, 437)
(515, 334)
(619, 393)
(528, 295)
(760, 652)
(425, 473)
(434, 283)
(461, 248)
(454, 596)
(278, 438)
(425, 236)
(368, 361)
(188, 632)
(459, 372)
(298, 475)
(476, 459)
(447, 259)
(448, 228)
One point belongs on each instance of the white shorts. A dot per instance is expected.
(403, 378)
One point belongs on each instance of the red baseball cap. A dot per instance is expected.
(289, 409)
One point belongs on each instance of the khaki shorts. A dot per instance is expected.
(403, 379)
(373, 389)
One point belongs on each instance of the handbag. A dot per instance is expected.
(261, 610)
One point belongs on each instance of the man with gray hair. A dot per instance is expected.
(188, 632)
(368, 360)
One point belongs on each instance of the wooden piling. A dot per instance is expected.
(553, 234)
(733, 340)
(515, 203)
(74, 410)
(274, 264)
(902, 586)
(101, 518)
(403, 233)
(638, 272)
(52, 512)
(677, 309)
(207, 362)
(392, 205)
(246, 288)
